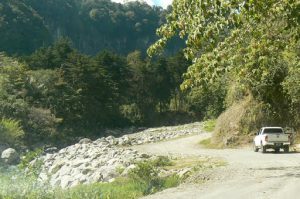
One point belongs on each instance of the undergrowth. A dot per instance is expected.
(209, 125)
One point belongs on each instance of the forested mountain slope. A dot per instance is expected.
(92, 25)
(21, 28)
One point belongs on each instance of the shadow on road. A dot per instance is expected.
(289, 171)
(281, 152)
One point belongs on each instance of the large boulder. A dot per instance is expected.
(10, 156)
(3, 147)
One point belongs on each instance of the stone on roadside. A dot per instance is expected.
(85, 141)
(10, 156)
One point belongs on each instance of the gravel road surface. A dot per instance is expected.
(247, 175)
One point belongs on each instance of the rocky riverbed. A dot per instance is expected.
(104, 159)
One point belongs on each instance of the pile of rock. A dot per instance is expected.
(88, 162)
(104, 159)
(152, 135)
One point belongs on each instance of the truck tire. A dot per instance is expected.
(286, 148)
(255, 148)
(277, 150)
(263, 149)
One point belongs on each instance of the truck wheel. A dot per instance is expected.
(264, 149)
(255, 148)
(286, 149)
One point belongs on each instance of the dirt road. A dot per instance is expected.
(248, 174)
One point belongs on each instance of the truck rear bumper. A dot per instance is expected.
(276, 144)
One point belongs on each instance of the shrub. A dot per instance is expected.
(144, 172)
(41, 123)
(209, 125)
(147, 175)
(33, 167)
(11, 131)
(162, 161)
(132, 113)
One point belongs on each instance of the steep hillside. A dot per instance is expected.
(92, 25)
(21, 28)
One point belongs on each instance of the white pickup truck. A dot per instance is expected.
(271, 138)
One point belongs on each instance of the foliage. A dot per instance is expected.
(252, 45)
(26, 161)
(207, 101)
(208, 143)
(132, 113)
(14, 184)
(291, 84)
(21, 28)
(162, 161)
(16, 101)
(11, 132)
(147, 174)
(26, 25)
(58, 92)
(209, 125)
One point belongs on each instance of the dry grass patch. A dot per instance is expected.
(195, 163)
(208, 144)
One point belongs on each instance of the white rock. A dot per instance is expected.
(184, 172)
(10, 156)
(3, 147)
(66, 182)
(111, 140)
(85, 141)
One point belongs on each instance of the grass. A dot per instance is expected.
(209, 125)
(122, 188)
(208, 144)
(195, 163)
(195, 167)
(142, 180)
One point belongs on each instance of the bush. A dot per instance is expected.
(162, 161)
(11, 132)
(147, 174)
(208, 102)
(209, 125)
(132, 113)
(41, 123)
(26, 162)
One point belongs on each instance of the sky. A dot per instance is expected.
(162, 3)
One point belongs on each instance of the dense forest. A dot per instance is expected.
(91, 25)
(75, 67)
(58, 91)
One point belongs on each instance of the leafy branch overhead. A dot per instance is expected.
(252, 43)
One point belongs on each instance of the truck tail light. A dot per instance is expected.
(266, 138)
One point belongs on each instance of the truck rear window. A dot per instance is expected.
(273, 130)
